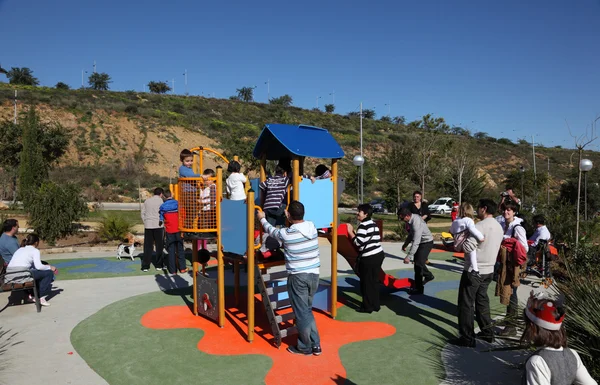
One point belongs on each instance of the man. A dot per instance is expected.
(508, 195)
(422, 243)
(301, 250)
(153, 231)
(472, 291)
(8, 240)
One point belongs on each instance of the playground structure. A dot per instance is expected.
(205, 215)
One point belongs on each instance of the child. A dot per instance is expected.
(189, 192)
(370, 257)
(236, 190)
(301, 249)
(208, 201)
(466, 236)
(553, 363)
(321, 172)
(273, 193)
(169, 215)
(454, 213)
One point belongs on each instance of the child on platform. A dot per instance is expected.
(466, 236)
(169, 215)
(236, 190)
(189, 191)
(553, 363)
(321, 172)
(273, 194)
(208, 201)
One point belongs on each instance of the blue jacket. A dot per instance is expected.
(187, 172)
(169, 214)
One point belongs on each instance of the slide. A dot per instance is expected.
(347, 250)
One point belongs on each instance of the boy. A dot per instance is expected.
(169, 215)
(301, 250)
(370, 257)
(208, 204)
(189, 192)
(422, 243)
(273, 193)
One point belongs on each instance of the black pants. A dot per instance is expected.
(473, 291)
(151, 237)
(421, 270)
(368, 270)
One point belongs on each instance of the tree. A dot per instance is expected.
(246, 94)
(431, 124)
(23, 76)
(329, 108)
(394, 166)
(523, 142)
(480, 135)
(423, 150)
(62, 86)
(369, 113)
(353, 114)
(465, 181)
(386, 119)
(159, 87)
(53, 209)
(33, 171)
(99, 81)
(285, 101)
(399, 120)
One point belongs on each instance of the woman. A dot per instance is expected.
(417, 206)
(28, 257)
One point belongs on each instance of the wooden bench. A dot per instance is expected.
(25, 282)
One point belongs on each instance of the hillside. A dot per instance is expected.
(115, 130)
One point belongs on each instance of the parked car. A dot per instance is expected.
(442, 205)
(378, 205)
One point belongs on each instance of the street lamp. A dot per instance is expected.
(358, 161)
(585, 165)
(522, 183)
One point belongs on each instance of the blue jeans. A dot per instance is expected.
(302, 288)
(43, 280)
(175, 245)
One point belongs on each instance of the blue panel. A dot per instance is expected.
(233, 226)
(279, 141)
(254, 186)
(318, 201)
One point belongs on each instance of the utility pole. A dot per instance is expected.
(548, 187)
(388, 104)
(173, 86)
(268, 83)
(332, 97)
(534, 169)
(15, 106)
(362, 175)
(185, 77)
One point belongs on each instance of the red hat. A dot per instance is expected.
(543, 315)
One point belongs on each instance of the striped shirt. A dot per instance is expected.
(300, 246)
(368, 239)
(275, 189)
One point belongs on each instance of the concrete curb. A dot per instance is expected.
(75, 249)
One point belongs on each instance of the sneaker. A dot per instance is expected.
(145, 270)
(30, 299)
(295, 350)
(159, 269)
(43, 302)
(183, 271)
(426, 279)
(316, 350)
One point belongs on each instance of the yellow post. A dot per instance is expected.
(236, 158)
(220, 264)
(250, 261)
(296, 178)
(201, 160)
(334, 239)
(263, 168)
(195, 264)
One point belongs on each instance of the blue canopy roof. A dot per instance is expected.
(279, 141)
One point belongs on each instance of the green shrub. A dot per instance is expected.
(54, 208)
(114, 227)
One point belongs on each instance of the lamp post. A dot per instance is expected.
(358, 161)
(585, 165)
(522, 184)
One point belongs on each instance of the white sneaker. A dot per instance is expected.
(43, 302)
(159, 269)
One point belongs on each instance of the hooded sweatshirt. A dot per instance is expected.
(300, 246)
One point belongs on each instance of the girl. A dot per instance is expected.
(235, 182)
(553, 363)
(28, 257)
(466, 235)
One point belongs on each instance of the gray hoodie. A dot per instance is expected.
(419, 233)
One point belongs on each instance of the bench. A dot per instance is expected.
(19, 280)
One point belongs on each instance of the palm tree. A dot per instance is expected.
(99, 81)
(246, 93)
(23, 76)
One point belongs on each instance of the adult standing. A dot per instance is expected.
(473, 288)
(153, 231)
(9, 243)
(422, 243)
(420, 208)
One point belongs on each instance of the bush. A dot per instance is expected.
(53, 210)
(114, 228)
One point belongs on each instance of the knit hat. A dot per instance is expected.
(543, 315)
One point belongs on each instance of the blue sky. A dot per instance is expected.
(509, 68)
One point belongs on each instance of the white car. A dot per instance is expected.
(441, 205)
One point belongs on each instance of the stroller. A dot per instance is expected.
(538, 262)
